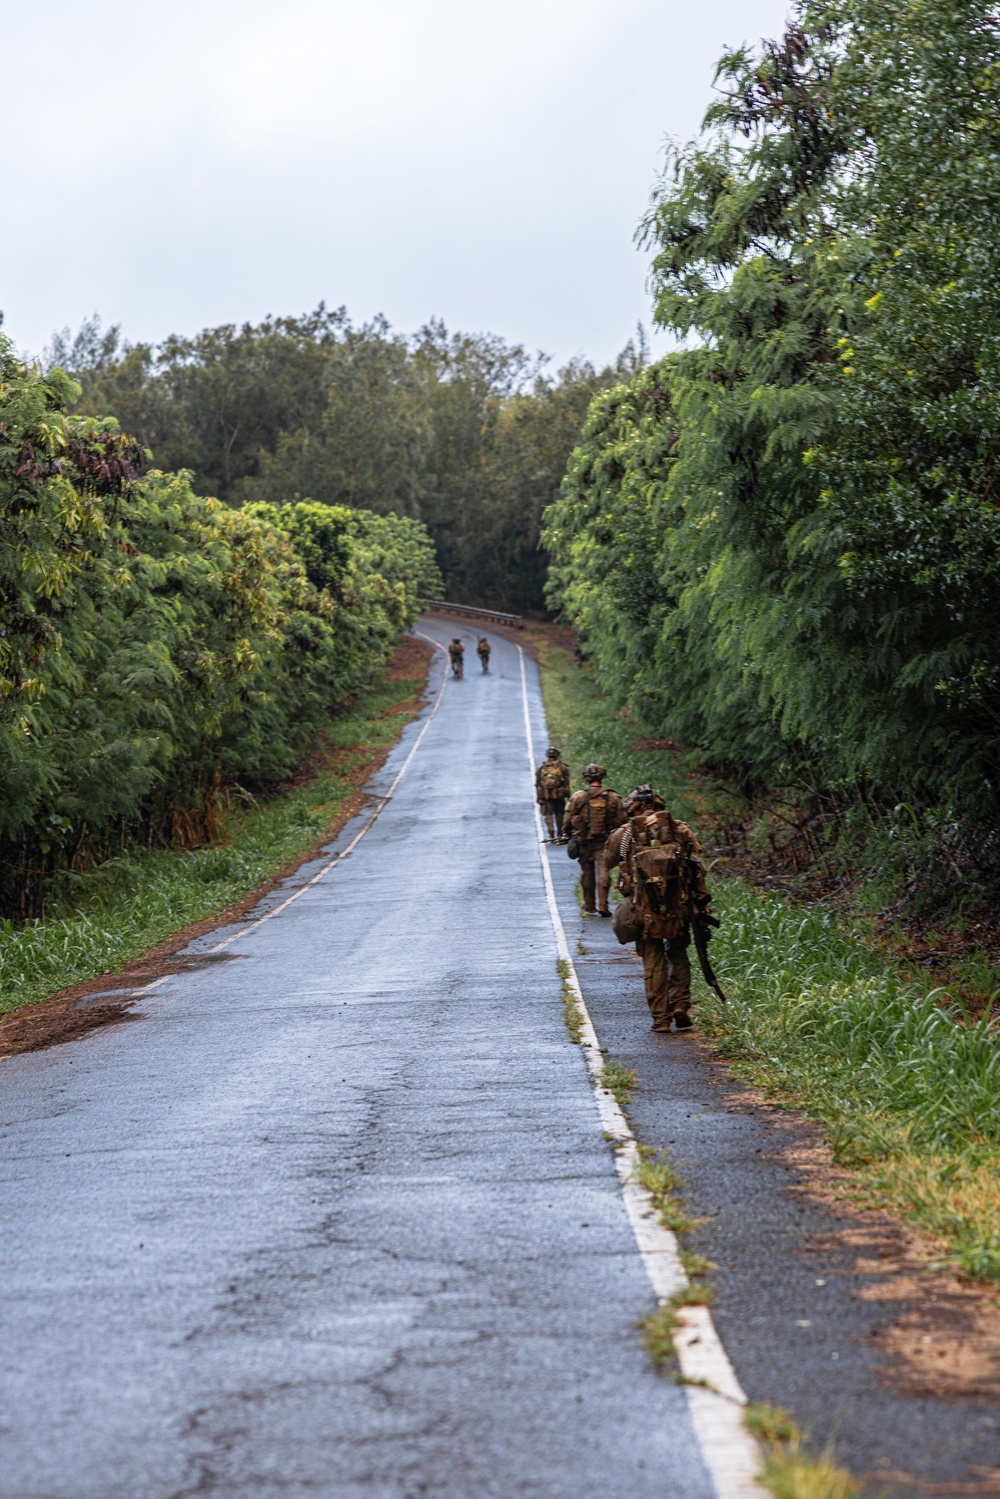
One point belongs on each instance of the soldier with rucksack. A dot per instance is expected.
(457, 653)
(551, 791)
(662, 879)
(483, 652)
(591, 815)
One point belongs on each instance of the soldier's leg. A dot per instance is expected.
(679, 966)
(588, 881)
(558, 808)
(548, 812)
(603, 885)
(654, 973)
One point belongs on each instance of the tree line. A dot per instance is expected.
(466, 432)
(780, 542)
(158, 647)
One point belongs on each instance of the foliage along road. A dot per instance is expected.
(335, 1215)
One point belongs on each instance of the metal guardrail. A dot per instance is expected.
(467, 609)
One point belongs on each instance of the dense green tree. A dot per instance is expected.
(464, 431)
(157, 646)
(811, 492)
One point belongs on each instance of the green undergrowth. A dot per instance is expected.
(906, 1087)
(101, 920)
(586, 726)
(620, 1082)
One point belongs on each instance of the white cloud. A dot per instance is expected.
(177, 165)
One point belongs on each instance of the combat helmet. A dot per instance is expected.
(644, 799)
(552, 753)
(594, 772)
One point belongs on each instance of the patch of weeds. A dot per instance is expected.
(657, 1329)
(615, 1141)
(696, 1293)
(789, 1470)
(572, 1014)
(660, 1179)
(696, 1266)
(620, 1081)
(581, 949)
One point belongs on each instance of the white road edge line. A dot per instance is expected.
(383, 802)
(717, 1401)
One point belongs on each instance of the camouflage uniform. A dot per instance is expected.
(457, 653)
(550, 793)
(483, 651)
(592, 814)
(663, 946)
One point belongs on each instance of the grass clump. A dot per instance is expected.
(572, 1014)
(620, 1081)
(789, 1471)
(660, 1179)
(657, 1329)
(103, 919)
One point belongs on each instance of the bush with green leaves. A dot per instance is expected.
(782, 541)
(157, 646)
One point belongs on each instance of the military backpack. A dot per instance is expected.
(552, 778)
(659, 874)
(590, 820)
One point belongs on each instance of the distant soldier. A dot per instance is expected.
(483, 650)
(551, 791)
(457, 653)
(591, 814)
(662, 878)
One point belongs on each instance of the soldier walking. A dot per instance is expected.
(457, 653)
(483, 651)
(551, 791)
(591, 814)
(662, 878)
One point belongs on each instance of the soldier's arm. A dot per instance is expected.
(612, 851)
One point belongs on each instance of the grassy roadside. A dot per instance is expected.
(907, 1090)
(113, 915)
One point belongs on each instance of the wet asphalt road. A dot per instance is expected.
(334, 1216)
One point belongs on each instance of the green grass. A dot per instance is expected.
(789, 1471)
(107, 918)
(572, 1014)
(907, 1088)
(656, 1174)
(586, 726)
(620, 1082)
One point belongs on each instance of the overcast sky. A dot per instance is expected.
(173, 166)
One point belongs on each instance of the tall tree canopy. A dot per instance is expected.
(464, 431)
(783, 538)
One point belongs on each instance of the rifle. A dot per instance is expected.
(701, 926)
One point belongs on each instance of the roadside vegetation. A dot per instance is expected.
(780, 544)
(105, 917)
(161, 653)
(904, 1081)
(467, 433)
